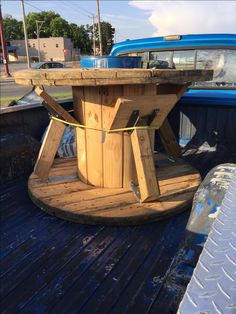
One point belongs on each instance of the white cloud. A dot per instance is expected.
(189, 17)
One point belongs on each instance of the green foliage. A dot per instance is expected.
(80, 38)
(13, 29)
(108, 33)
(47, 17)
(60, 28)
(55, 26)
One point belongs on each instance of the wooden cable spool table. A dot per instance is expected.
(115, 179)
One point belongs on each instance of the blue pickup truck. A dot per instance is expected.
(211, 102)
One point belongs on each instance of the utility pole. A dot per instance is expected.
(25, 33)
(94, 42)
(3, 44)
(99, 29)
(94, 39)
(39, 26)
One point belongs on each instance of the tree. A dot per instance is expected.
(60, 28)
(13, 28)
(55, 26)
(107, 32)
(80, 38)
(47, 17)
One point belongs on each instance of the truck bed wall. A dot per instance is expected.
(206, 126)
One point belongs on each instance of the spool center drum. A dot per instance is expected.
(115, 169)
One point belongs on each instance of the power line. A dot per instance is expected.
(33, 6)
(86, 11)
(75, 9)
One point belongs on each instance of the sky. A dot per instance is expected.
(139, 19)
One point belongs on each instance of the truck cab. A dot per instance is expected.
(206, 107)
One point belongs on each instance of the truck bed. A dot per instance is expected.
(52, 265)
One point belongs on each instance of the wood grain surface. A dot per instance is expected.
(67, 197)
(93, 77)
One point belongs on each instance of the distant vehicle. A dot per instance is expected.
(47, 65)
(160, 64)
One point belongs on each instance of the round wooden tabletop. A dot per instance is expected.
(97, 77)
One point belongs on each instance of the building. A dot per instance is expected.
(11, 52)
(51, 49)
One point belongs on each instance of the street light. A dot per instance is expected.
(38, 27)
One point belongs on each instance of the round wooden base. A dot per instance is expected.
(65, 196)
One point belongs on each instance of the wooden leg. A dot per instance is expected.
(169, 140)
(53, 106)
(146, 172)
(48, 149)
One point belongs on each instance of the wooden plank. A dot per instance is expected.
(89, 196)
(144, 162)
(177, 89)
(54, 106)
(124, 107)
(166, 133)
(93, 118)
(112, 145)
(81, 147)
(151, 89)
(48, 149)
(169, 140)
(129, 169)
(95, 77)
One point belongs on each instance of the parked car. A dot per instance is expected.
(47, 65)
(160, 64)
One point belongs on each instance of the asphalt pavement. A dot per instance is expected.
(8, 88)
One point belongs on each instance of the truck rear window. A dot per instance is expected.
(222, 61)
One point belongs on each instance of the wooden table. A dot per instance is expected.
(106, 100)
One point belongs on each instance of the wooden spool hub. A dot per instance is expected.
(107, 159)
(64, 196)
(104, 160)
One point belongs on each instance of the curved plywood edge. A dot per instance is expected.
(96, 77)
(66, 197)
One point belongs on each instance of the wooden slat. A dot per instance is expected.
(144, 162)
(80, 134)
(112, 147)
(166, 133)
(129, 169)
(52, 139)
(93, 118)
(52, 104)
(95, 77)
(177, 89)
(48, 149)
(150, 89)
(123, 109)
(169, 140)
